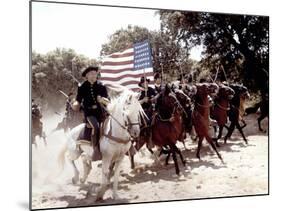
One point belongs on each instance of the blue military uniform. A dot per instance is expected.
(93, 112)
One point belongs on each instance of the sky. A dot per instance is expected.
(85, 28)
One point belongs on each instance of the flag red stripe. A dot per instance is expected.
(117, 63)
(115, 71)
(126, 76)
(122, 55)
(119, 68)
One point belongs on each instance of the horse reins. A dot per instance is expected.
(222, 107)
(204, 106)
(114, 138)
(119, 140)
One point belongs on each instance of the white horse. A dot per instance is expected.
(119, 128)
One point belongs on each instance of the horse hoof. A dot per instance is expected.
(88, 194)
(82, 181)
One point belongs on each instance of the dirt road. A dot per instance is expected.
(245, 172)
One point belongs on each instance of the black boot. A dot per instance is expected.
(96, 149)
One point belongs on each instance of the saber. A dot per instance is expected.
(64, 94)
(57, 113)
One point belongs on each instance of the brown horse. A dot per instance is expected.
(201, 115)
(184, 104)
(220, 108)
(168, 126)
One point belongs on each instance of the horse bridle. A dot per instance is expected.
(204, 106)
(179, 106)
(222, 107)
(127, 125)
(176, 106)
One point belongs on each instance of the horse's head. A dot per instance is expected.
(182, 98)
(190, 90)
(225, 92)
(213, 89)
(240, 90)
(168, 103)
(133, 114)
(204, 89)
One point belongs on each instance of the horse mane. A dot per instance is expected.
(180, 91)
(117, 99)
(115, 90)
(119, 95)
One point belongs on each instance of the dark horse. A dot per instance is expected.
(201, 114)
(220, 108)
(263, 105)
(237, 110)
(168, 127)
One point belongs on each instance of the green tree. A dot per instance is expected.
(237, 42)
(52, 72)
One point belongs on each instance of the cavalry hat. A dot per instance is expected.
(89, 69)
(156, 76)
(142, 81)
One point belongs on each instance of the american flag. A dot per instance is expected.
(127, 67)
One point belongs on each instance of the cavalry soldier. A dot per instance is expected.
(70, 118)
(158, 83)
(36, 117)
(36, 113)
(92, 95)
(147, 96)
(182, 81)
(147, 99)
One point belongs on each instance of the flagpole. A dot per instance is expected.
(144, 75)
